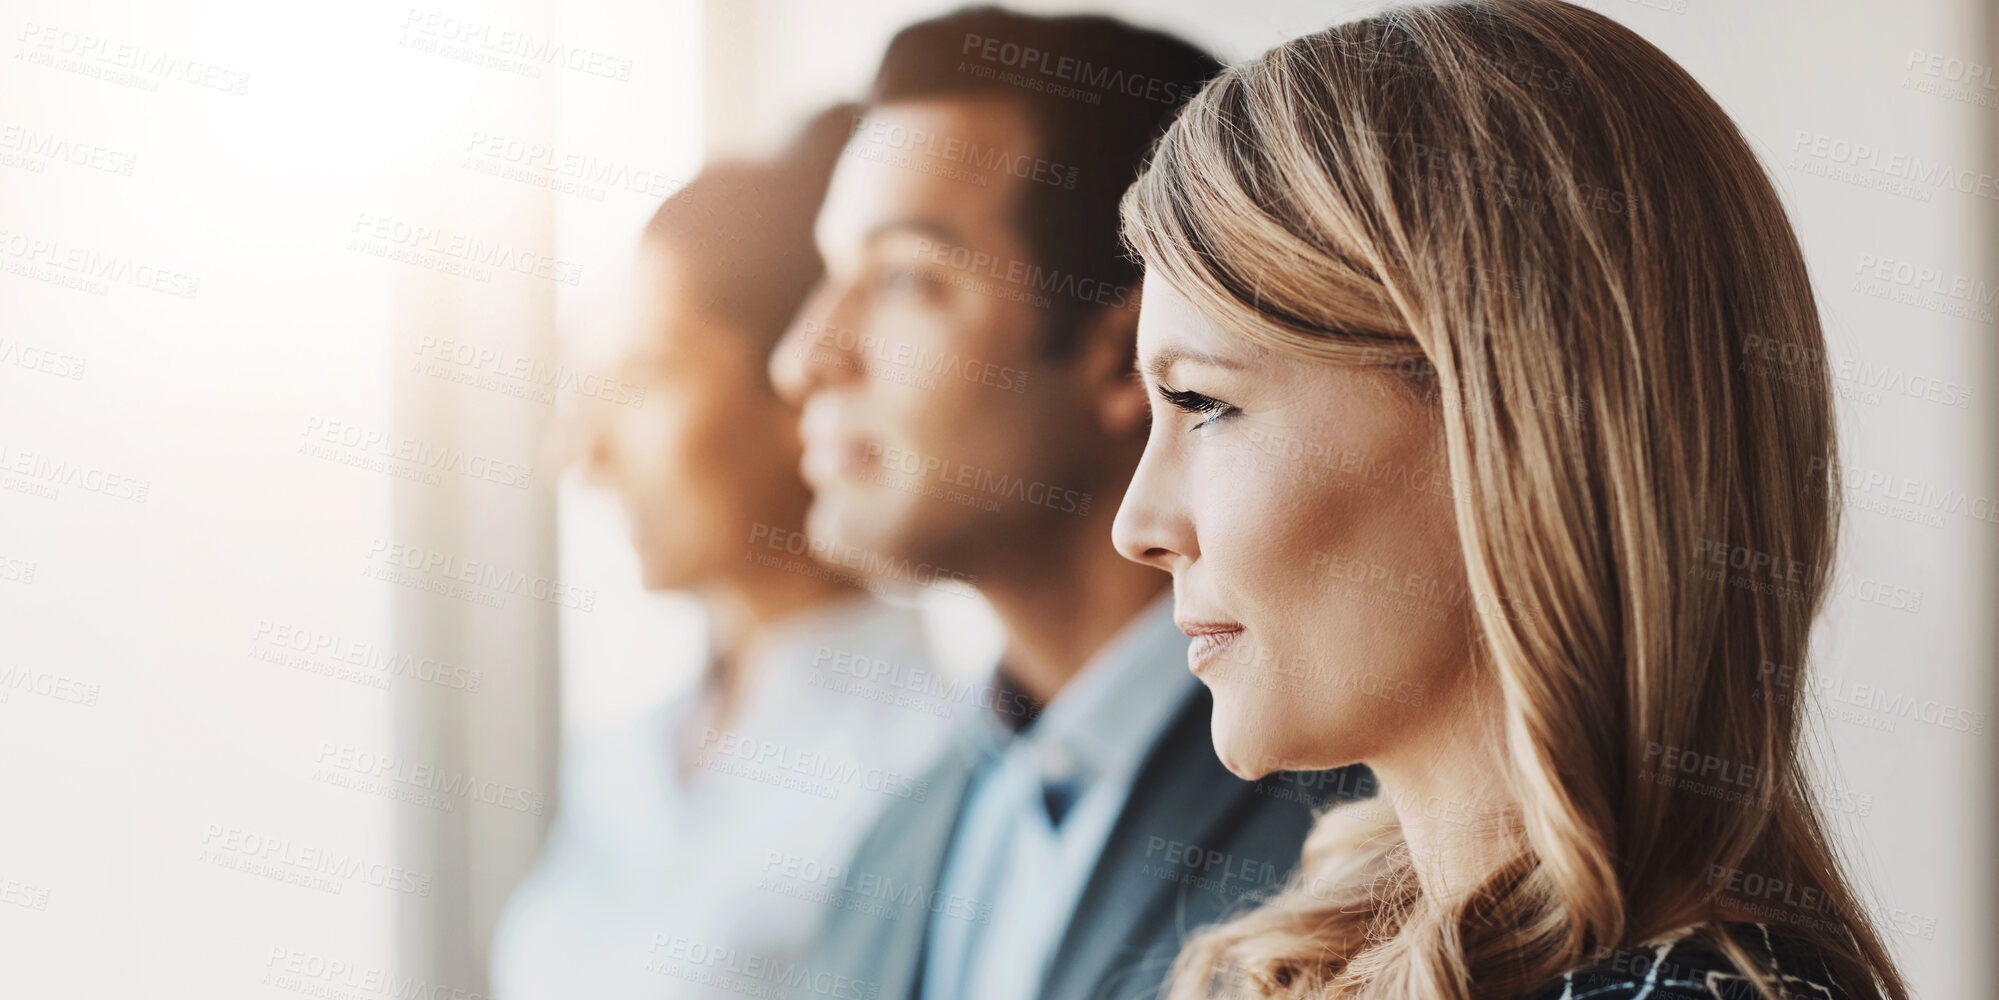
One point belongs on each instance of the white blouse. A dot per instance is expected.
(654, 885)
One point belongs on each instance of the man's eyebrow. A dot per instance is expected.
(1156, 368)
(937, 230)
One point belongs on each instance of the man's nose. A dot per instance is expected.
(816, 351)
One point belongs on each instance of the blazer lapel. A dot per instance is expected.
(1182, 796)
(915, 855)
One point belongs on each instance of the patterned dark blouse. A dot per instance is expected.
(1692, 968)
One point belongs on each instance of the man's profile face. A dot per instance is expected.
(934, 429)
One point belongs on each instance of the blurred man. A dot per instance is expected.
(969, 413)
(651, 873)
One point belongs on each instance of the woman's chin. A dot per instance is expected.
(1244, 772)
(1242, 757)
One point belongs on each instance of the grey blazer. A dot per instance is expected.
(1193, 845)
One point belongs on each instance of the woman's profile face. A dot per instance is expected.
(1305, 512)
(709, 452)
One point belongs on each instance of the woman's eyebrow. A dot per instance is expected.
(1157, 367)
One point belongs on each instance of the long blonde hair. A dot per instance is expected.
(1546, 220)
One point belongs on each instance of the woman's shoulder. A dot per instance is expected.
(1690, 966)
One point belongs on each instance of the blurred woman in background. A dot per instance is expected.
(649, 884)
(1443, 322)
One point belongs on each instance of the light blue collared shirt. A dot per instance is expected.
(647, 865)
(1007, 854)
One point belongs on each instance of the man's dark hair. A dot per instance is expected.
(743, 229)
(1098, 93)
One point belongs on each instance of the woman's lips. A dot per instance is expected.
(1210, 640)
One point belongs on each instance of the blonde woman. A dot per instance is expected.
(1458, 475)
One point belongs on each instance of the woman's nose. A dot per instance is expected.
(1152, 526)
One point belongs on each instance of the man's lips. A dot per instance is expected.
(834, 448)
(828, 458)
(1210, 640)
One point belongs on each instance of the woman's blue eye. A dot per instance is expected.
(1194, 402)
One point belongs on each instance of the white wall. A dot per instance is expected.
(189, 622)
(1920, 795)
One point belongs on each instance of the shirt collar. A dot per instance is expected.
(1110, 713)
(858, 624)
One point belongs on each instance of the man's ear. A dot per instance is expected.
(1105, 360)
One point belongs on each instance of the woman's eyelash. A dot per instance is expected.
(1194, 402)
